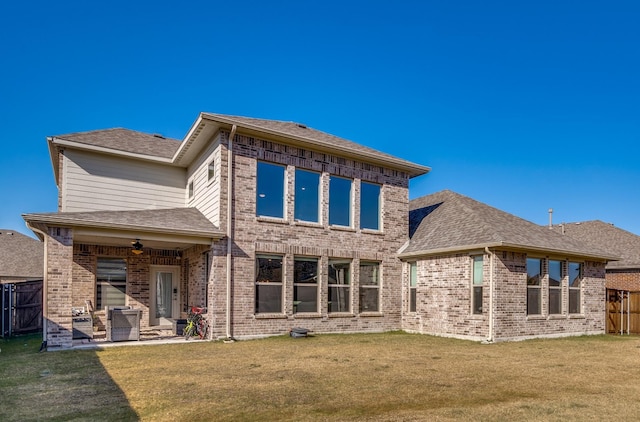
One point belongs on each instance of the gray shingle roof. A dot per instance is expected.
(448, 221)
(20, 256)
(188, 221)
(314, 137)
(127, 141)
(607, 237)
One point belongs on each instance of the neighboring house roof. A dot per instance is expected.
(170, 221)
(446, 222)
(21, 257)
(171, 151)
(607, 237)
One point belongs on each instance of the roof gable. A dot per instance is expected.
(607, 237)
(20, 256)
(448, 221)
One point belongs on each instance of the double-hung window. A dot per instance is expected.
(340, 201)
(305, 284)
(339, 283)
(268, 284)
(270, 190)
(534, 283)
(413, 285)
(111, 282)
(369, 206)
(307, 199)
(575, 285)
(477, 280)
(555, 287)
(369, 286)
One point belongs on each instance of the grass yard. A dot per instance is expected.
(366, 377)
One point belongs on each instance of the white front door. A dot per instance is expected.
(165, 295)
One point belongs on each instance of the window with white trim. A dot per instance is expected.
(270, 190)
(369, 286)
(268, 284)
(555, 286)
(413, 285)
(307, 198)
(369, 206)
(477, 280)
(211, 170)
(575, 287)
(305, 284)
(190, 189)
(534, 285)
(339, 276)
(111, 282)
(340, 200)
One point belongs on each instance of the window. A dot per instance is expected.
(307, 200)
(534, 276)
(575, 284)
(413, 283)
(190, 189)
(339, 281)
(555, 287)
(369, 206)
(340, 201)
(305, 285)
(111, 282)
(270, 190)
(268, 284)
(211, 170)
(369, 286)
(477, 279)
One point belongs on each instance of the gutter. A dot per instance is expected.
(229, 228)
(45, 284)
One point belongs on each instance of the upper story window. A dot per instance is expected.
(369, 206)
(575, 285)
(534, 283)
(111, 282)
(270, 190)
(211, 170)
(555, 286)
(477, 280)
(307, 199)
(190, 189)
(340, 201)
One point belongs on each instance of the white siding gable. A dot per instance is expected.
(206, 193)
(99, 182)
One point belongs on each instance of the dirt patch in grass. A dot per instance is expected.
(381, 377)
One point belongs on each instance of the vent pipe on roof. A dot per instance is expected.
(550, 218)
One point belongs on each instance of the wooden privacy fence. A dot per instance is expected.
(21, 308)
(623, 312)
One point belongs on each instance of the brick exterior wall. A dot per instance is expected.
(285, 237)
(58, 285)
(444, 300)
(624, 279)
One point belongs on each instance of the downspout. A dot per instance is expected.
(229, 222)
(491, 291)
(45, 304)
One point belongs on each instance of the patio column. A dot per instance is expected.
(58, 288)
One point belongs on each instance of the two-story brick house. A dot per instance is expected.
(269, 224)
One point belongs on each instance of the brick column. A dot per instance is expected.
(59, 295)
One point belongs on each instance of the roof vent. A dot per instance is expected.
(157, 135)
(301, 126)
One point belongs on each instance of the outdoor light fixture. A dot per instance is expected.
(137, 247)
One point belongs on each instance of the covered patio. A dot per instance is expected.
(155, 263)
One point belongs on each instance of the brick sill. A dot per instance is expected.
(274, 220)
(374, 232)
(536, 317)
(371, 314)
(307, 315)
(302, 223)
(269, 316)
(576, 316)
(342, 228)
(341, 315)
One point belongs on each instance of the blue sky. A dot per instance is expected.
(525, 106)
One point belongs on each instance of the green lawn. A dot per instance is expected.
(368, 377)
